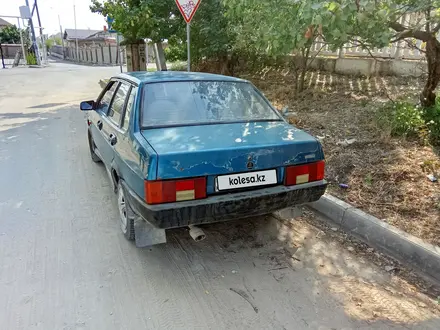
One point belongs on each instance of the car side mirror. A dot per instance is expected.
(87, 105)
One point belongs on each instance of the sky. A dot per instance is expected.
(49, 11)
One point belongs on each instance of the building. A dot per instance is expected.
(87, 38)
(4, 23)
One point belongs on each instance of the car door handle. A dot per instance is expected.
(99, 124)
(112, 139)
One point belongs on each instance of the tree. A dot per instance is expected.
(285, 27)
(57, 41)
(387, 21)
(49, 43)
(213, 36)
(139, 19)
(10, 35)
(132, 18)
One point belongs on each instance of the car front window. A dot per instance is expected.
(118, 103)
(107, 97)
(200, 102)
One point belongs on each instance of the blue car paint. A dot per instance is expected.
(227, 148)
(196, 146)
(142, 77)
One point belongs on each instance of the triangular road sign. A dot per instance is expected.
(188, 8)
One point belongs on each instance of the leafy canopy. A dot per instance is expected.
(279, 27)
(10, 35)
(140, 19)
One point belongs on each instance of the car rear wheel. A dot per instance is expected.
(126, 214)
(92, 148)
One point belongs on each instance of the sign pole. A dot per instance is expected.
(188, 8)
(118, 47)
(188, 40)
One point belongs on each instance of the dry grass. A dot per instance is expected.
(386, 176)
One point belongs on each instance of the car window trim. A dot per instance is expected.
(132, 87)
(119, 125)
(112, 123)
(113, 80)
(145, 85)
(111, 103)
(106, 90)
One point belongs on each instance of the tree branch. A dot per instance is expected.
(366, 47)
(428, 18)
(397, 26)
(412, 45)
(408, 33)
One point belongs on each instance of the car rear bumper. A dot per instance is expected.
(225, 207)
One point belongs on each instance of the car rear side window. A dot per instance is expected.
(117, 106)
(197, 102)
(130, 104)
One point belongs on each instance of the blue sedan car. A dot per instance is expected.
(184, 149)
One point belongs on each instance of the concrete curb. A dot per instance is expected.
(421, 256)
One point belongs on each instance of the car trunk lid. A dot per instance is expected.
(215, 150)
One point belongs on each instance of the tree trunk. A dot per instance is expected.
(135, 57)
(302, 79)
(305, 53)
(224, 65)
(161, 64)
(428, 95)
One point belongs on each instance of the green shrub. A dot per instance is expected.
(432, 119)
(178, 66)
(31, 59)
(404, 118)
(175, 52)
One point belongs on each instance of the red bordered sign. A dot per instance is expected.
(188, 8)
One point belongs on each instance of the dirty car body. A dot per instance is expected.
(194, 148)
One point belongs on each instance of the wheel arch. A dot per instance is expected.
(115, 177)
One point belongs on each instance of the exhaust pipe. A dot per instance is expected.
(196, 233)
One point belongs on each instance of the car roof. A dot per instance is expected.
(143, 77)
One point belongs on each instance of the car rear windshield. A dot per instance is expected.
(203, 102)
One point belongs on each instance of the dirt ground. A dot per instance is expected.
(385, 176)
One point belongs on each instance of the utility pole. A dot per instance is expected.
(62, 36)
(21, 40)
(34, 41)
(43, 44)
(76, 34)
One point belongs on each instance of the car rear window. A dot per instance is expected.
(198, 102)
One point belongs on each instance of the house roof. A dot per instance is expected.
(101, 35)
(79, 33)
(4, 23)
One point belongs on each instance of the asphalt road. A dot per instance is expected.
(65, 265)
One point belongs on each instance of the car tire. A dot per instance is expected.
(126, 214)
(92, 147)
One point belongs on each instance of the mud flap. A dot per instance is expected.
(147, 235)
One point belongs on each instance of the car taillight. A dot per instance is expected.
(304, 173)
(158, 192)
